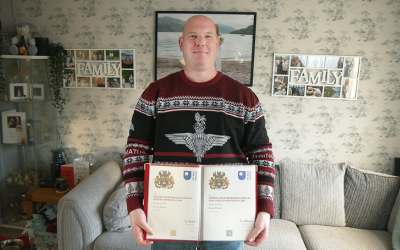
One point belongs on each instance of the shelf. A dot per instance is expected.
(26, 145)
(26, 101)
(25, 57)
(15, 225)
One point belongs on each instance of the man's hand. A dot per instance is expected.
(260, 231)
(139, 225)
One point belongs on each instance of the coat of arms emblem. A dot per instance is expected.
(199, 142)
(219, 180)
(164, 179)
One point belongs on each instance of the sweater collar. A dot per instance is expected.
(200, 84)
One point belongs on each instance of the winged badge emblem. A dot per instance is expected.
(199, 142)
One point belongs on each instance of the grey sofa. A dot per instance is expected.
(317, 206)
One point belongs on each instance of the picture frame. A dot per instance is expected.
(316, 76)
(37, 92)
(100, 69)
(19, 91)
(14, 127)
(235, 58)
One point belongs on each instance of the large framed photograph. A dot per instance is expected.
(14, 127)
(19, 91)
(236, 53)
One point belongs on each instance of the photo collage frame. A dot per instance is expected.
(100, 68)
(316, 76)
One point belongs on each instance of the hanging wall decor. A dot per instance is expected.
(236, 31)
(316, 76)
(100, 68)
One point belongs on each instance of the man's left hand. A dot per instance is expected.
(260, 231)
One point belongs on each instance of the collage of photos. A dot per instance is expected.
(316, 76)
(100, 68)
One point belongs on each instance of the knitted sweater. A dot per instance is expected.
(179, 122)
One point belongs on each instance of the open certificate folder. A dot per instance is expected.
(200, 202)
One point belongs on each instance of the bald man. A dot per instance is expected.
(175, 105)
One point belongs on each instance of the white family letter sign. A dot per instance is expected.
(100, 68)
(316, 76)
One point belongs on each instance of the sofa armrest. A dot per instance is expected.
(80, 212)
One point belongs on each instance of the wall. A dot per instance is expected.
(364, 133)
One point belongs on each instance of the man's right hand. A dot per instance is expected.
(139, 225)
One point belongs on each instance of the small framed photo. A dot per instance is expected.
(14, 127)
(37, 92)
(19, 91)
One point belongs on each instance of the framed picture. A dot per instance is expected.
(19, 91)
(101, 68)
(316, 76)
(37, 91)
(14, 127)
(236, 52)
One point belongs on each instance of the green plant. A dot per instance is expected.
(57, 73)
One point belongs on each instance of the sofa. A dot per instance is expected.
(317, 206)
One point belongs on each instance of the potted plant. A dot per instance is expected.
(57, 73)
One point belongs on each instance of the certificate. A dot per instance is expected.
(200, 202)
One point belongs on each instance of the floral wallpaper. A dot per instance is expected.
(364, 133)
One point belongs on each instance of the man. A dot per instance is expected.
(285, 66)
(100, 83)
(225, 107)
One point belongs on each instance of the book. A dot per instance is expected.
(200, 202)
(75, 172)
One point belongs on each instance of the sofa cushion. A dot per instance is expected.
(394, 215)
(344, 238)
(312, 193)
(118, 241)
(396, 232)
(115, 212)
(369, 198)
(283, 235)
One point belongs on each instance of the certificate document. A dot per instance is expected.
(200, 202)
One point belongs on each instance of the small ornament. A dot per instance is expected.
(23, 141)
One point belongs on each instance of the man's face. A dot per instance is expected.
(199, 43)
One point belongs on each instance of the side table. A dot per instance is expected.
(41, 194)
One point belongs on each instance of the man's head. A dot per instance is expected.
(199, 43)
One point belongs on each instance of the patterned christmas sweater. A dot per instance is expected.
(178, 121)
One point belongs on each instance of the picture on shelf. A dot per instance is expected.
(19, 91)
(104, 68)
(316, 76)
(37, 92)
(14, 127)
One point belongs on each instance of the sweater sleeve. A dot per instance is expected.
(138, 150)
(258, 150)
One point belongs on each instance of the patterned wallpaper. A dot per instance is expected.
(365, 133)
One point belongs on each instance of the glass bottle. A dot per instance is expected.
(90, 158)
(57, 160)
(22, 45)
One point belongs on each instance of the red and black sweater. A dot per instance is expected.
(179, 122)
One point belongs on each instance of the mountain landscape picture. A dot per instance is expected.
(235, 56)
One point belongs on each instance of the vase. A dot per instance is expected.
(57, 160)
